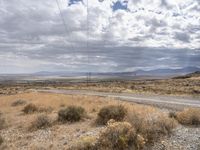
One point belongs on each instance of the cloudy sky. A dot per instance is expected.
(116, 35)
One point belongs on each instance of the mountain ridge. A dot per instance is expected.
(166, 71)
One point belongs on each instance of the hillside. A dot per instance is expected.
(190, 75)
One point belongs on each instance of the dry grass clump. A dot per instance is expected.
(71, 114)
(154, 129)
(2, 121)
(116, 112)
(18, 103)
(85, 143)
(41, 122)
(151, 125)
(189, 116)
(30, 108)
(119, 136)
(115, 136)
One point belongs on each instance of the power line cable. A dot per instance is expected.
(87, 40)
(87, 44)
(64, 23)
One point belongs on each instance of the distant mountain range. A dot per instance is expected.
(156, 72)
(139, 74)
(185, 70)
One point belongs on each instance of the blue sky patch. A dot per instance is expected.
(71, 2)
(120, 5)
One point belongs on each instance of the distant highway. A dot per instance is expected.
(169, 102)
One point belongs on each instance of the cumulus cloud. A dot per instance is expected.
(123, 35)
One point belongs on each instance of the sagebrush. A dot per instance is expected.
(30, 108)
(152, 126)
(41, 122)
(71, 114)
(118, 136)
(116, 112)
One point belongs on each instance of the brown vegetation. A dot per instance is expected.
(71, 114)
(41, 122)
(118, 136)
(151, 124)
(18, 103)
(116, 112)
(190, 116)
(30, 108)
(115, 136)
(85, 143)
(2, 121)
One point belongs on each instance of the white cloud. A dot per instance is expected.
(34, 30)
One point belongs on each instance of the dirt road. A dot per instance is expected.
(170, 102)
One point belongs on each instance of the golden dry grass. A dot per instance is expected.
(150, 123)
(19, 122)
(189, 116)
(41, 122)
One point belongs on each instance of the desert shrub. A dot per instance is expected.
(190, 116)
(30, 108)
(2, 121)
(85, 143)
(18, 103)
(153, 130)
(111, 112)
(41, 122)
(71, 114)
(119, 136)
(152, 126)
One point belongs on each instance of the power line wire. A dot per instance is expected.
(87, 44)
(87, 40)
(63, 21)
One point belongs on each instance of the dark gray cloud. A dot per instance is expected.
(184, 37)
